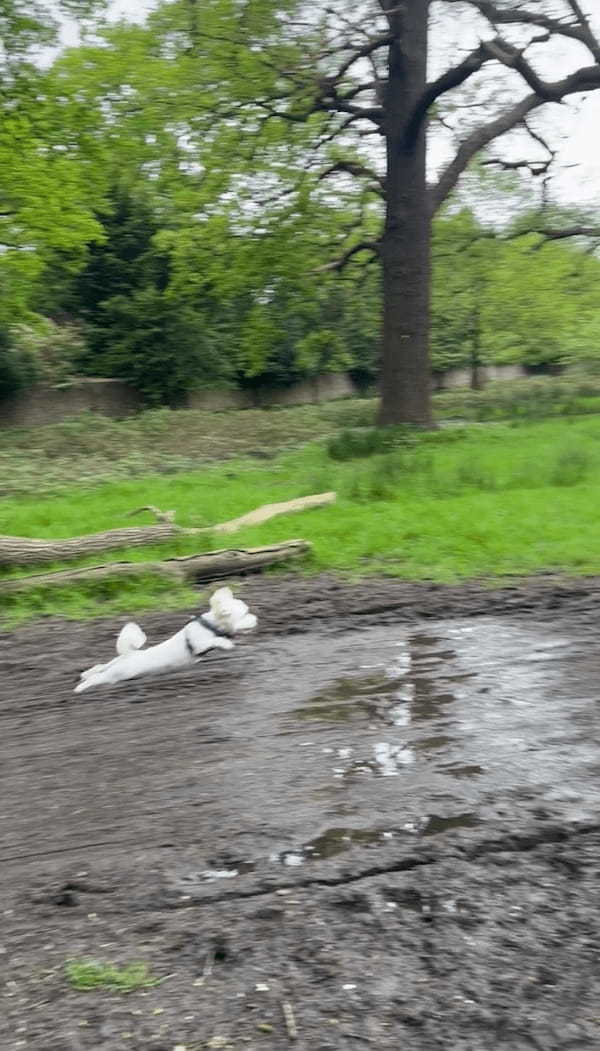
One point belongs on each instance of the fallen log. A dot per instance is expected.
(267, 511)
(211, 565)
(25, 551)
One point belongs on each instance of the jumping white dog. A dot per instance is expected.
(227, 616)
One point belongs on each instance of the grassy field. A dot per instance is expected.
(91, 450)
(478, 501)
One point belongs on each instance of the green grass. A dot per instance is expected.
(89, 450)
(87, 975)
(479, 502)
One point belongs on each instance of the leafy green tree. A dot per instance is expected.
(294, 90)
(45, 193)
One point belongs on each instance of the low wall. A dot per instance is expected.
(40, 405)
(455, 378)
(328, 387)
(43, 405)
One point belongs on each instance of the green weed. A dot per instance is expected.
(86, 975)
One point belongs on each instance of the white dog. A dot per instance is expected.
(212, 631)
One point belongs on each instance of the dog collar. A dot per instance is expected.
(210, 627)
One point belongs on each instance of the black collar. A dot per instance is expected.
(211, 627)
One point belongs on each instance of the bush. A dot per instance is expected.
(160, 347)
(54, 350)
(354, 444)
(576, 392)
(17, 366)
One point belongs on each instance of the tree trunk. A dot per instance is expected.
(212, 565)
(26, 551)
(406, 242)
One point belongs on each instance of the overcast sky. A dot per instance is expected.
(574, 127)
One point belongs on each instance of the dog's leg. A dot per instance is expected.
(92, 671)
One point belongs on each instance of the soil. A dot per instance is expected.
(374, 824)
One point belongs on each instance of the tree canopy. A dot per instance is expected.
(207, 195)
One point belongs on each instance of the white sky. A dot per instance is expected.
(574, 127)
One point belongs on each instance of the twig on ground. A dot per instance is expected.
(290, 1021)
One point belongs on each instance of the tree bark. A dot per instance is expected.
(26, 551)
(405, 247)
(213, 565)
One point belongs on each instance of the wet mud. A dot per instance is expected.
(375, 823)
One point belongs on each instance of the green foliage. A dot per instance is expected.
(582, 344)
(47, 193)
(17, 367)
(138, 328)
(572, 394)
(146, 195)
(87, 975)
(356, 444)
(504, 301)
(91, 450)
(54, 351)
(155, 343)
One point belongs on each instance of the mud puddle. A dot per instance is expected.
(386, 733)
(388, 827)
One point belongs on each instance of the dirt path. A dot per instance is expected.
(382, 810)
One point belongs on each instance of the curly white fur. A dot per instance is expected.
(226, 614)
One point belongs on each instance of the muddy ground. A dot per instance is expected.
(375, 823)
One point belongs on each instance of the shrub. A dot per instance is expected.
(17, 366)
(54, 350)
(354, 444)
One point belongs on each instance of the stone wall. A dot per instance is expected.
(455, 378)
(41, 405)
(328, 387)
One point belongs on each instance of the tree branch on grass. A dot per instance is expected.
(212, 565)
(25, 551)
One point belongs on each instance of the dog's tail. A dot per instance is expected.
(131, 637)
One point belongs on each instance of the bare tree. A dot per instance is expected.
(367, 74)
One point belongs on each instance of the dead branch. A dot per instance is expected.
(290, 1021)
(213, 565)
(267, 511)
(25, 551)
(161, 516)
